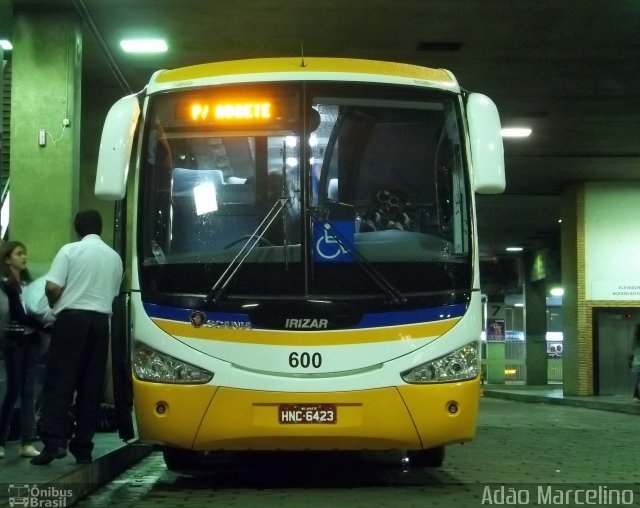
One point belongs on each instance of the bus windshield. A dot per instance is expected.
(304, 189)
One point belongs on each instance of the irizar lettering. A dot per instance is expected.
(304, 323)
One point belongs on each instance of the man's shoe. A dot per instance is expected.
(1, 452)
(28, 451)
(49, 454)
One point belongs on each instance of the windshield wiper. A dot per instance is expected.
(217, 290)
(371, 271)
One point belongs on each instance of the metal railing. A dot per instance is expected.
(554, 370)
(515, 371)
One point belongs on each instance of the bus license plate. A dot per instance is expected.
(307, 413)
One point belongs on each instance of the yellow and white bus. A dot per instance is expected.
(302, 258)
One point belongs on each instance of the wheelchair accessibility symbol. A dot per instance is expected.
(330, 240)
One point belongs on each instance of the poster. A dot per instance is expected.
(495, 330)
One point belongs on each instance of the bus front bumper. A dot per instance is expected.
(205, 417)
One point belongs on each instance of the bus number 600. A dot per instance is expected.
(305, 360)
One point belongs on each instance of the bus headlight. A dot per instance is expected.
(151, 365)
(459, 365)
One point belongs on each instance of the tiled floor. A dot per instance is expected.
(543, 452)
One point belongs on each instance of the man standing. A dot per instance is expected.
(84, 279)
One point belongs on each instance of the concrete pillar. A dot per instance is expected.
(572, 254)
(46, 64)
(535, 331)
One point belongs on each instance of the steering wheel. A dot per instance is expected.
(244, 238)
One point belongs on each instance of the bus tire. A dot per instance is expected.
(177, 459)
(433, 457)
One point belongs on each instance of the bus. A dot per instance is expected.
(301, 256)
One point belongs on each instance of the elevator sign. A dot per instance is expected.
(615, 290)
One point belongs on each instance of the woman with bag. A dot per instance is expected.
(21, 349)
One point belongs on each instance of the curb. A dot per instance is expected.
(563, 401)
(85, 479)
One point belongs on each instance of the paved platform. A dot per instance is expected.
(63, 477)
(553, 394)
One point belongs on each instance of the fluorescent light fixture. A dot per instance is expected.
(144, 45)
(513, 249)
(292, 162)
(291, 141)
(516, 132)
(556, 292)
(6, 45)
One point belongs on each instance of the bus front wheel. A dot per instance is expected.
(433, 457)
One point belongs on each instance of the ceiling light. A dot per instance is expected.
(144, 45)
(516, 132)
(556, 292)
(513, 249)
(6, 45)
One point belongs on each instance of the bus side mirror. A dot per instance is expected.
(487, 153)
(115, 148)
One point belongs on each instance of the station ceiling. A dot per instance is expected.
(568, 69)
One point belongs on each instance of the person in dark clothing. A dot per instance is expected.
(21, 350)
(84, 279)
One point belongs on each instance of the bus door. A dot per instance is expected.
(120, 341)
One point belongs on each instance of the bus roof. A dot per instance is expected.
(297, 69)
